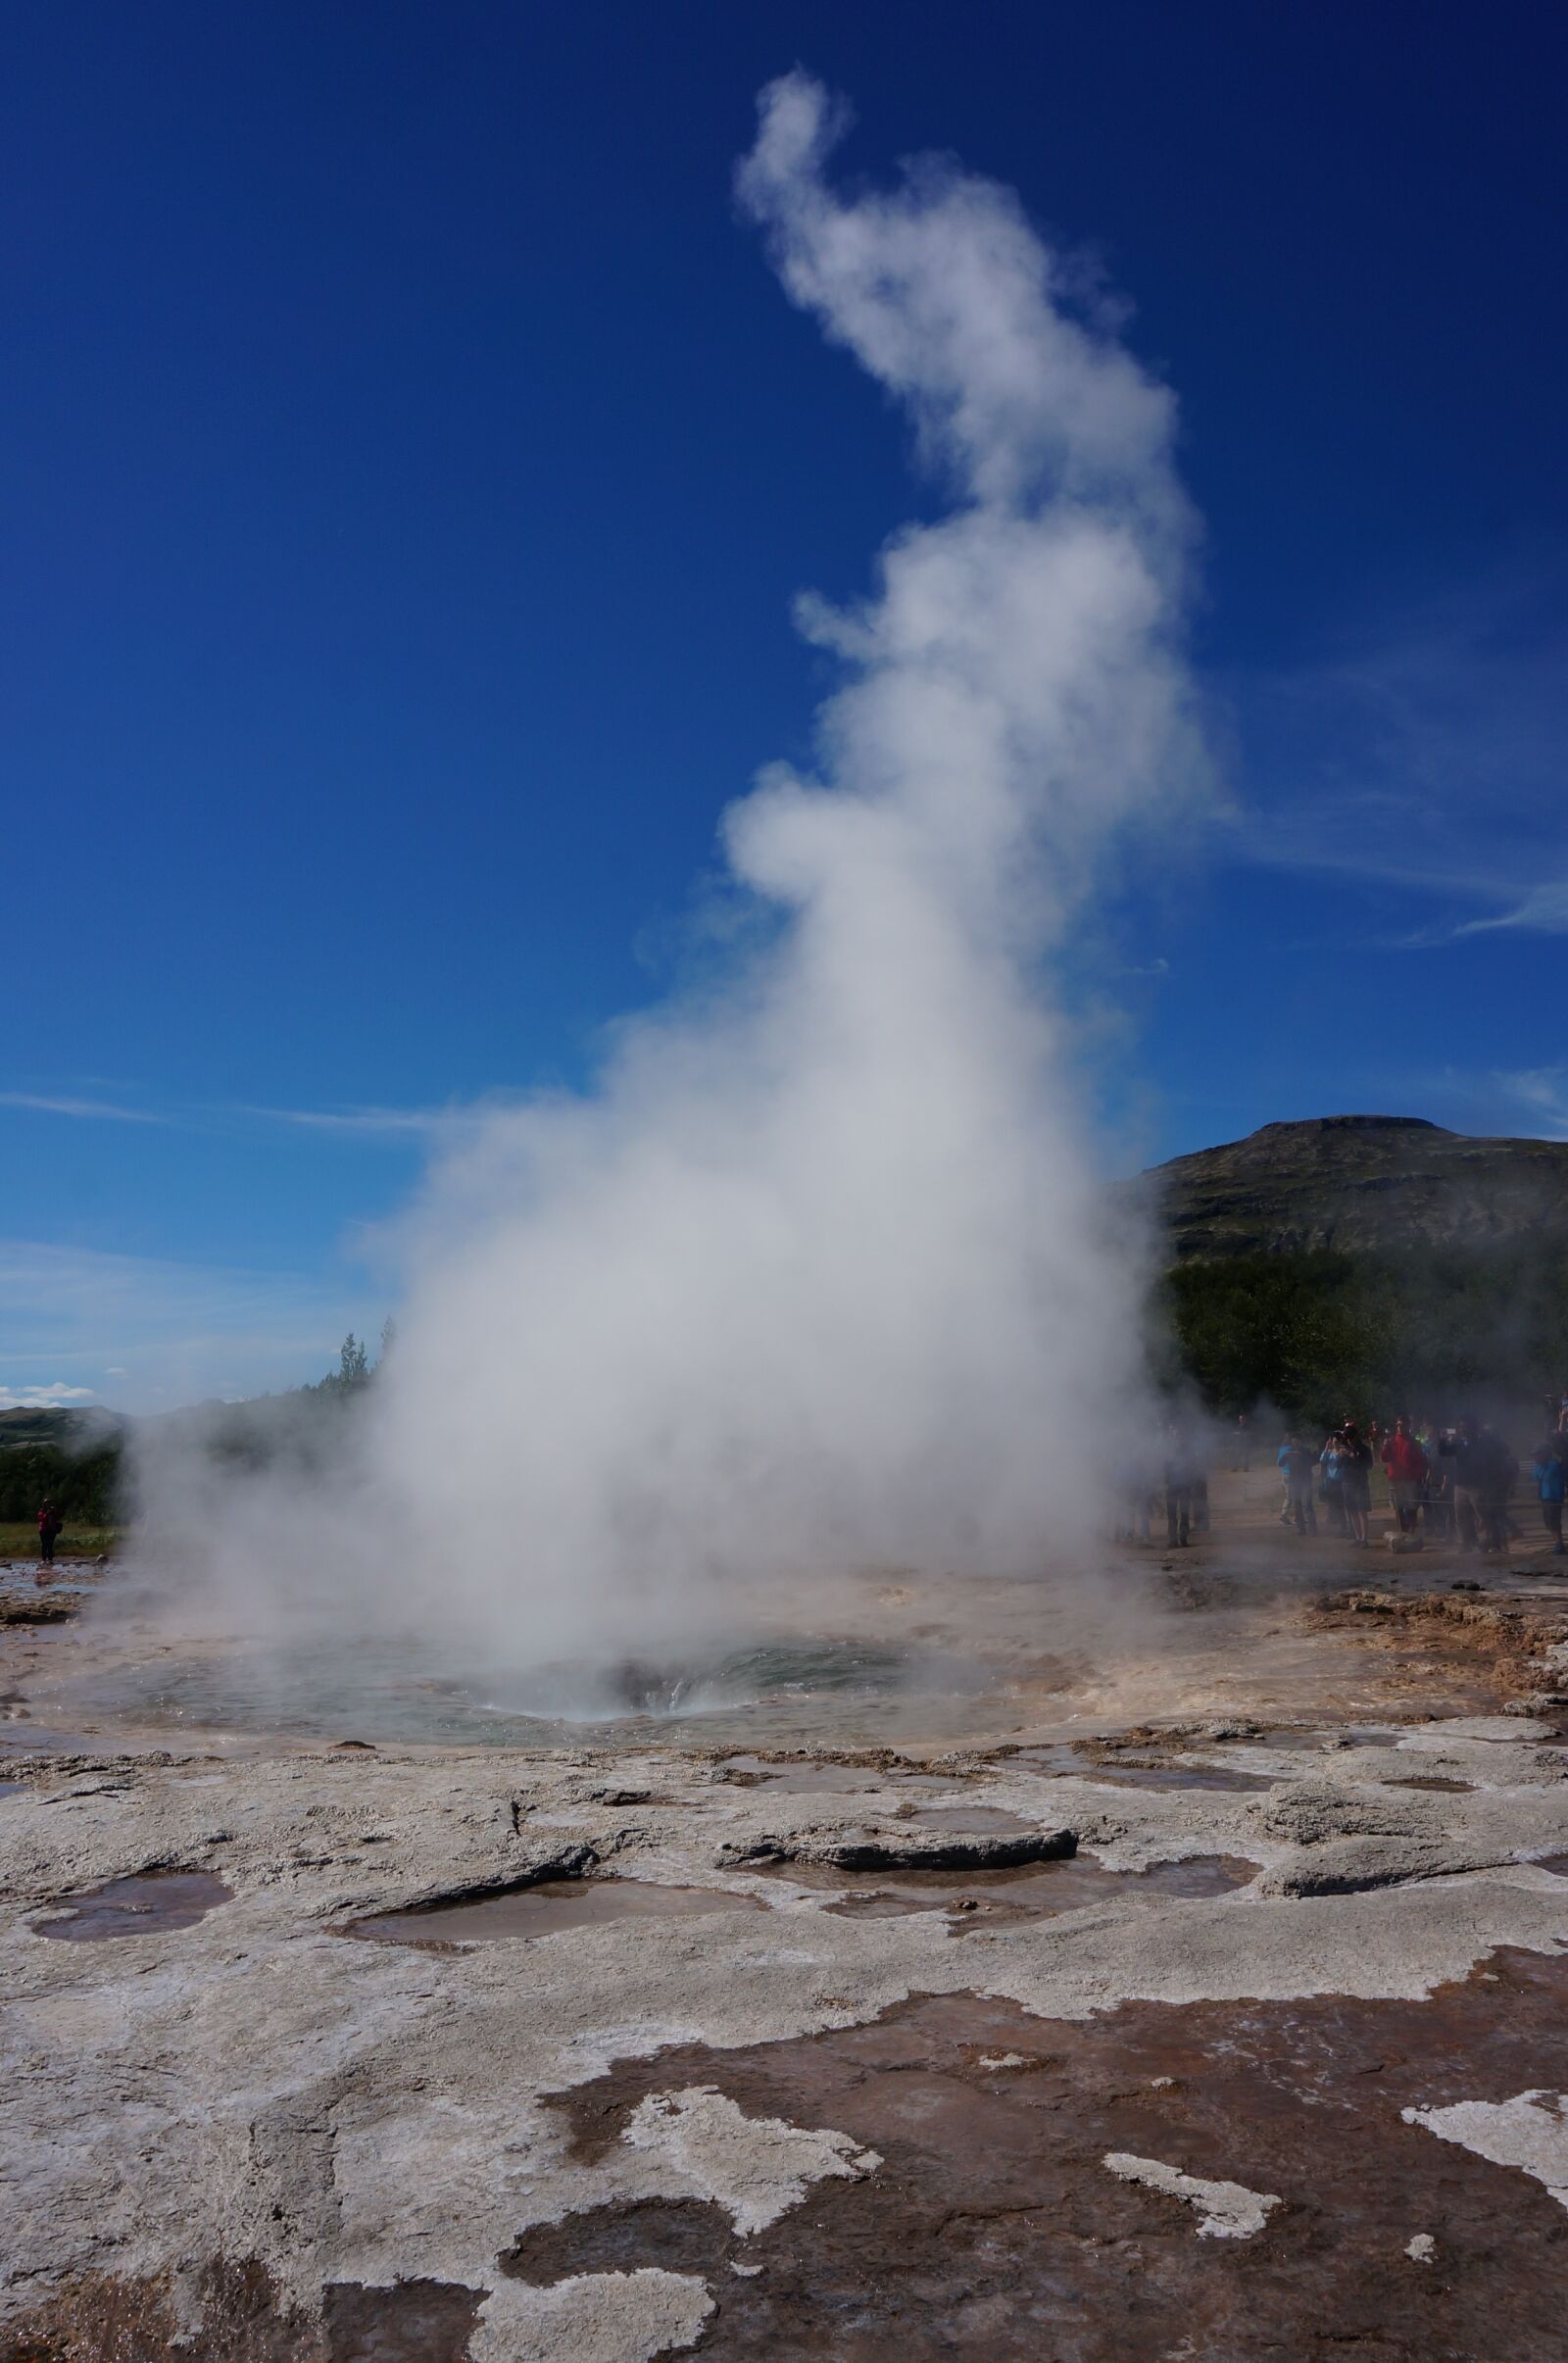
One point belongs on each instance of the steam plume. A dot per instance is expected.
(813, 1276)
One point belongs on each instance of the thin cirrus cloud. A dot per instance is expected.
(1543, 1090)
(51, 1104)
(1544, 911)
(365, 1124)
(362, 1124)
(1424, 763)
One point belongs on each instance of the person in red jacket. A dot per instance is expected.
(1404, 1464)
(49, 1525)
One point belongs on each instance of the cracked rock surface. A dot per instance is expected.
(637, 2136)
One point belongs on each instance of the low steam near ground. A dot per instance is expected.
(815, 1275)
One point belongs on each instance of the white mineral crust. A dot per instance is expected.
(1530, 2132)
(1226, 2210)
(755, 2167)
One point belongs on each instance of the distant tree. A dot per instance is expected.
(355, 1368)
(389, 1331)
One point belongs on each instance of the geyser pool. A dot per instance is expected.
(404, 1690)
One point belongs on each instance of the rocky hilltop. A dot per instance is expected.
(1361, 1184)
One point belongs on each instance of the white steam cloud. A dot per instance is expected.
(814, 1277)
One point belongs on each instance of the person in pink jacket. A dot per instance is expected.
(49, 1525)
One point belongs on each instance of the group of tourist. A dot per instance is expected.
(1451, 1483)
(1444, 1484)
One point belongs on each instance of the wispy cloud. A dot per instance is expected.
(1425, 765)
(362, 1124)
(112, 1111)
(398, 1124)
(1544, 911)
(57, 1396)
(1543, 1090)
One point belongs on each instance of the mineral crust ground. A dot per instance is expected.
(1189, 1984)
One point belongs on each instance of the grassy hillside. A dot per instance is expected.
(1367, 1263)
(79, 1469)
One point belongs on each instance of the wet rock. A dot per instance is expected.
(938, 1851)
(909, 1847)
(737, 1853)
(38, 1608)
(672, 2235)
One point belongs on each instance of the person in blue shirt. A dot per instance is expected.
(1549, 1472)
(1331, 1484)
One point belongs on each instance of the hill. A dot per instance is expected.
(1359, 1186)
(71, 1431)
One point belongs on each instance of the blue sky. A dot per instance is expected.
(409, 462)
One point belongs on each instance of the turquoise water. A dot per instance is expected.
(390, 1690)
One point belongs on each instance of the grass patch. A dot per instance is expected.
(19, 1540)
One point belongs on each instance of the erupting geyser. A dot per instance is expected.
(815, 1276)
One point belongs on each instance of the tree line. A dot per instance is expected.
(1318, 1333)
